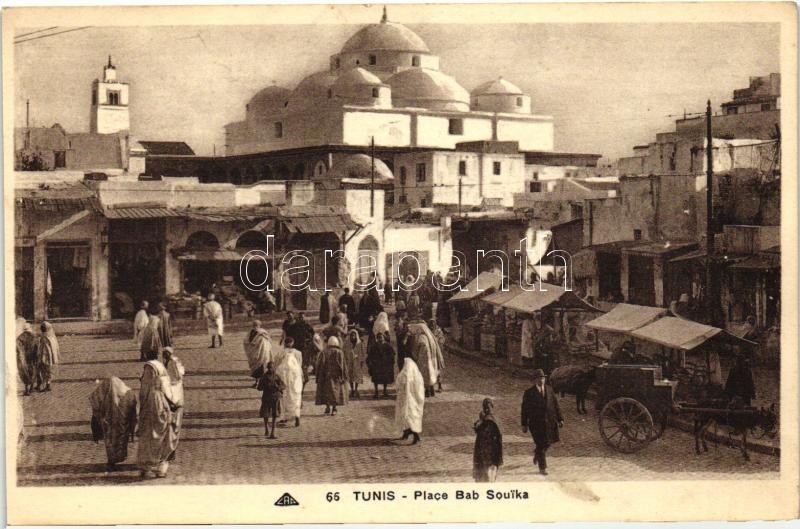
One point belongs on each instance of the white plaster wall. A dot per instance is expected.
(433, 131)
(261, 193)
(170, 194)
(435, 240)
(535, 134)
(112, 119)
(392, 129)
(446, 177)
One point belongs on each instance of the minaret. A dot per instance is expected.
(384, 18)
(110, 112)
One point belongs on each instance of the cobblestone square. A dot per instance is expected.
(222, 440)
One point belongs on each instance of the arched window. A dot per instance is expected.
(519, 101)
(201, 240)
(415, 60)
(299, 171)
(320, 169)
(375, 92)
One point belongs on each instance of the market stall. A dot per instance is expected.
(613, 327)
(542, 336)
(468, 317)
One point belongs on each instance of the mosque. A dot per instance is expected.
(385, 85)
(384, 108)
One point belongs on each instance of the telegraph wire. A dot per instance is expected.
(37, 37)
(34, 32)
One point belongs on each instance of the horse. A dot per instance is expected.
(739, 418)
(573, 380)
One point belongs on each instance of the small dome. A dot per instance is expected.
(385, 36)
(268, 100)
(359, 166)
(428, 89)
(497, 87)
(315, 85)
(353, 78)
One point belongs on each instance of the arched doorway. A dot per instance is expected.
(199, 274)
(366, 261)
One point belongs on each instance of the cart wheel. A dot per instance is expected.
(626, 425)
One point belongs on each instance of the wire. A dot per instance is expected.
(33, 32)
(50, 35)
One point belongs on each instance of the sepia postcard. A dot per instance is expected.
(400, 263)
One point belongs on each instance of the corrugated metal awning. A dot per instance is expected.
(140, 213)
(319, 224)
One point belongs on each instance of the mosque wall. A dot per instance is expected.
(434, 131)
(388, 128)
(532, 135)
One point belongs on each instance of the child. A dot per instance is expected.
(271, 387)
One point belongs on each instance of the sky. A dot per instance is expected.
(608, 86)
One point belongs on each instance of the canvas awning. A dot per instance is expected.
(501, 296)
(676, 333)
(482, 284)
(626, 318)
(541, 296)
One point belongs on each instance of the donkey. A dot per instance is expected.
(739, 418)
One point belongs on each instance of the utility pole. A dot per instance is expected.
(372, 179)
(27, 124)
(459, 195)
(710, 313)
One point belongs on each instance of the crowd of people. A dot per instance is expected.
(355, 343)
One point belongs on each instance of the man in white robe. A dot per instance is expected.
(140, 322)
(212, 310)
(410, 401)
(290, 370)
(175, 370)
(427, 354)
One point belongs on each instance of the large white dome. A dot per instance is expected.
(421, 87)
(385, 36)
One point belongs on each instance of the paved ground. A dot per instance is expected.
(222, 440)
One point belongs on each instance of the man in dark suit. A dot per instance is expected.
(542, 416)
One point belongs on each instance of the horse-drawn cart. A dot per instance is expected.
(636, 395)
(634, 403)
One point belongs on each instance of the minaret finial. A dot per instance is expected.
(385, 17)
(109, 62)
